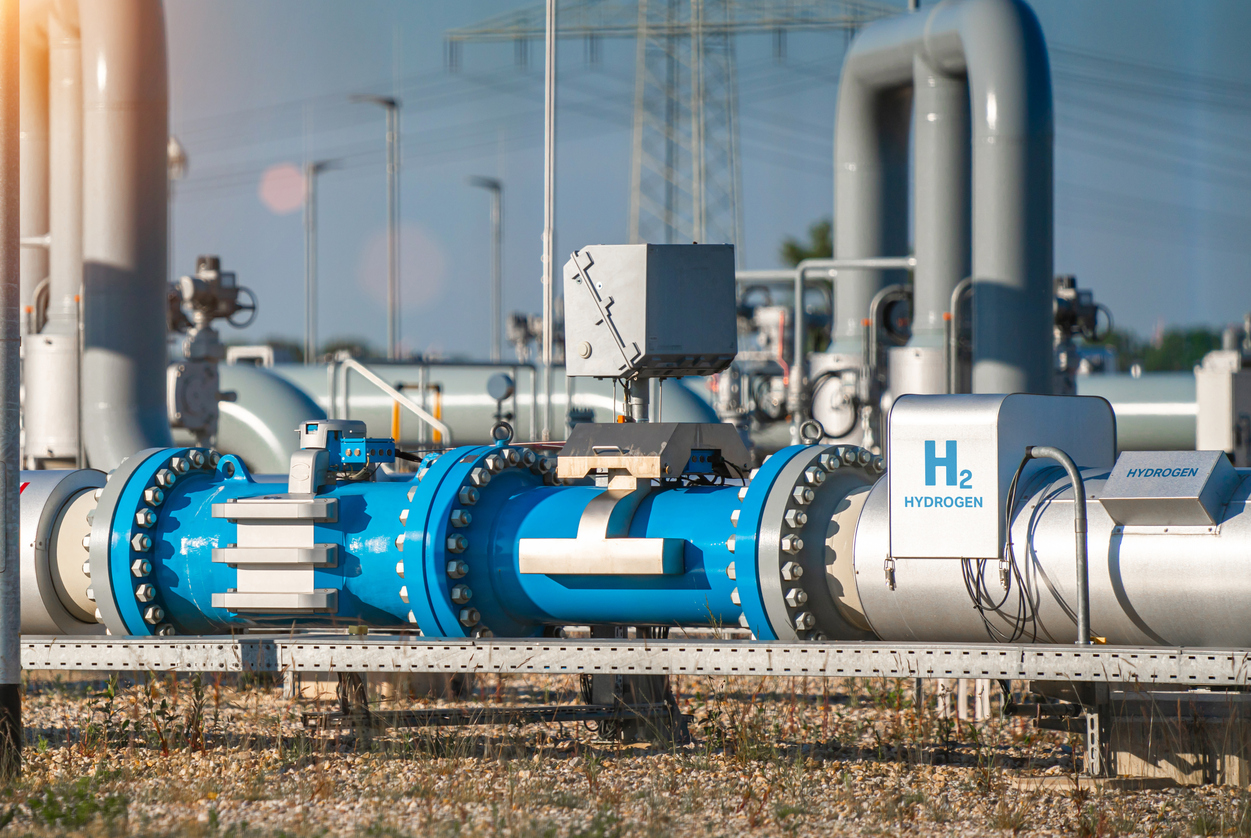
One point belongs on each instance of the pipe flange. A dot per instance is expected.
(451, 515)
(790, 555)
(127, 603)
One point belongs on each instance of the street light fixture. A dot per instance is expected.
(392, 106)
(311, 170)
(496, 189)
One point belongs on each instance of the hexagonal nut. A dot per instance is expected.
(196, 458)
(483, 633)
(457, 543)
(731, 572)
(404, 593)
(179, 465)
(511, 456)
(830, 461)
(528, 457)
(494, 463)
(792, 544)
(457, 568)
(792, 571)
(91, 594)
(480, 477)
(796, 597)
(153, 496)
(145, 593)
(140, 567)
(399, 569)
(849, 455)
(878, 465)
(796, 518)
(734, 597)
(734, 517)
(153, 614)
(742, 494)
(213, 459)
(814, 475)
(468, 496)
(460, 518)
(803, 495)
(91, 517)
(864, 456)
(165, 630)
(87, 541)
(470, 617)
(461, 594)
(729, 543)
(165, 478)
(141, 542)
(97, 493)
(544, 465)
(550, 479)
(145, 517)
(87, 568)
(804, 621)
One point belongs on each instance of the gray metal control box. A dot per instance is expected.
(650, 310)
(1169, 488)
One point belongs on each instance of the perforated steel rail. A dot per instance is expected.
(391, 653)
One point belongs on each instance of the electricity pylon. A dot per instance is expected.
(685, 181)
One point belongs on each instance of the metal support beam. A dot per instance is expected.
(1148, 666)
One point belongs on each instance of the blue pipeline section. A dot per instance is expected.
(400, 545)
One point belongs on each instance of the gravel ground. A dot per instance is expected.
(774, 757)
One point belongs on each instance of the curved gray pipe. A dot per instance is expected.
(125, 200)
(999, 46)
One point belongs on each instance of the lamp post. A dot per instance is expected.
(311, 170)
(497, 242)
(392, 107)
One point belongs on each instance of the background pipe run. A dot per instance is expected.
(125, 135)
(998, 45)
(33, 104)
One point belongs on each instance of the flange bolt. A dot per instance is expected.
(796, 597)
(141, 567)
(457, 568)
(460, 518)
(814, 475)
(792, 544)
(804, 621)
(796, 518)
(141, 542)
(145, 517)
(145, 593)
(792, 571)
(461, 594)
(153, 615)
(153, 496)
(469, 616)
(468, 496)
(457, 543)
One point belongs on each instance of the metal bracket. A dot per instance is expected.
(889, 567)
(602, 546)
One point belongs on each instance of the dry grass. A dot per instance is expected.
(782, 757)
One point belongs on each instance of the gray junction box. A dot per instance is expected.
(1169, 488)
(636, 311)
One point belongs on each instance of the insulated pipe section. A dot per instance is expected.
(999, 46)
(125, 134)
(56, 588)
(942, 199)
(870, 183)
(1162, 585)
(482, 541)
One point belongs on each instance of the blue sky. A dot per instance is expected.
(1153, 182)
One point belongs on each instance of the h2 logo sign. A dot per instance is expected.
(933, 462)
